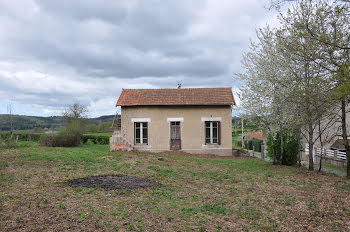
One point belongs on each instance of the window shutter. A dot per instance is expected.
(219, 133)
(205, 135)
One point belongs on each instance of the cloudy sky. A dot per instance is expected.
(57, 52)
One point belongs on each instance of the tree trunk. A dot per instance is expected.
(311, 147)
(283, 158)
(299, 145)
(345, 136)
(321, 142)
(274, 157)
(273, 149)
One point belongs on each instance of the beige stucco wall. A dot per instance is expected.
(192, 127)
(334, 129)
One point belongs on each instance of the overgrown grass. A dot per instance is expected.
(199, 193)
(332, 166)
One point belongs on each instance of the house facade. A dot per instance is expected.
(332, 141)
(193, 120)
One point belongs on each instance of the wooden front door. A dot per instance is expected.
(175, 136)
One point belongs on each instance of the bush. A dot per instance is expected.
(96, 139)
(248, 144)
(290, 148)
(238, 143)
(8, 141)
(59, 140)
(254, 144)
(67, 137)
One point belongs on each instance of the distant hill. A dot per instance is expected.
(22, 122)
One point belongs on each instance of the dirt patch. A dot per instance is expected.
(113, 182)
(165, 159)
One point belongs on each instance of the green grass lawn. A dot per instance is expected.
(332, 166)
(199, 193)
(100, 134)
(235, 138)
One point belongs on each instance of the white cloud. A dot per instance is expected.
(52, 55)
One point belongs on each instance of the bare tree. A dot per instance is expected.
(325, 132)
(10, 116)
(75, 112)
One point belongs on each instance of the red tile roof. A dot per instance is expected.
(257, 135)
(339, 144)
(182, 96)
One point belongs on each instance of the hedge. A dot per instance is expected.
(57, 140)
(96, 139)
(254, 143)
(22, 136)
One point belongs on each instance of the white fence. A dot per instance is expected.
(329, 153)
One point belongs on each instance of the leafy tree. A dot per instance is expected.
(287, 82)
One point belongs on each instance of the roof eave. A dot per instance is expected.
(176, 104)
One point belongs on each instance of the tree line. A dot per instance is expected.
(296, 76)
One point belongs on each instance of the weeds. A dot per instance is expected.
(201, 194)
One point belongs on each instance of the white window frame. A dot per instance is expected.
(141, 133)
(175, 119)
(211, 132)
(209, 119)
(140, 120)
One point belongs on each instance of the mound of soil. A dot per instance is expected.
(112, 182)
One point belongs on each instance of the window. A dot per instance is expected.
(175, 130)
(175, 123)
(141, 132)
(212, 132)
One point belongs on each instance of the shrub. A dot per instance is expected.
(256, 144)
(59, 140)
(8, 141)
(67, 137)
(89, 142)
(248, 144)
(96, 139)
(290, 148)
(74, 128)
(238, 143)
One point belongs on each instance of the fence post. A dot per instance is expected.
(17, 139)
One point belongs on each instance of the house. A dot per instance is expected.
(332, 141)
(339, 145)
(254, 141)
(193, 120)
(259, 135)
